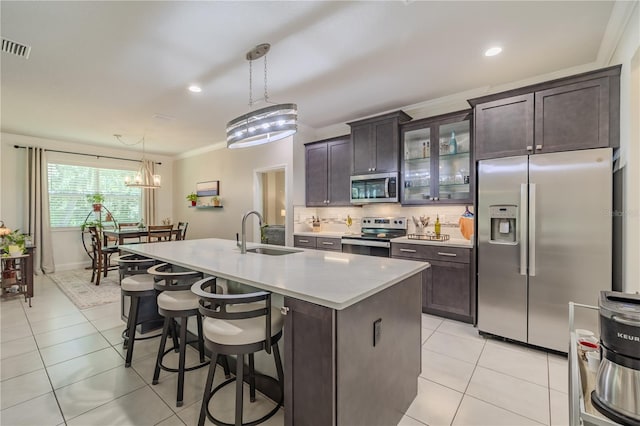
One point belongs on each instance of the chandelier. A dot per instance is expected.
(263, 125)
(144, 177)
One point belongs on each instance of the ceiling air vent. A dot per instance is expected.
(15, 48)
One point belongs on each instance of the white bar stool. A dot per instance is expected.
(176, 301)
(238, 324)
(136, 283)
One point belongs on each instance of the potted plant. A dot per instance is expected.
(96, 200)
(216, 201)
(264, 239)
(98, 224)
(193, 197)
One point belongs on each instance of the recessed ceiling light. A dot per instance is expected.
(493, 51)
(195, 89)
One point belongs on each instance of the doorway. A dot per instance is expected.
(272, 202)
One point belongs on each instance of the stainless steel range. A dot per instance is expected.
(375, 237)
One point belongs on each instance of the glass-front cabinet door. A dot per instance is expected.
(417, 170)
(438, 160)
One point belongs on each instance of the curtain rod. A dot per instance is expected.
(88, 155)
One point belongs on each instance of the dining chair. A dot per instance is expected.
(182, 226)
(128, 225)
(101, 255)
(157, 233)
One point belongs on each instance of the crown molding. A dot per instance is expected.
(618, 20)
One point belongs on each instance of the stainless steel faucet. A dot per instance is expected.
(243, 242)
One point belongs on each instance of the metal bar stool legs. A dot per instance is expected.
(176, 303)
(239, 324)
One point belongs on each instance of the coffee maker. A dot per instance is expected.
(617, 392)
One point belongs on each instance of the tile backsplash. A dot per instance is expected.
(333, 219)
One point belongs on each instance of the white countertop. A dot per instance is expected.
(332, 279)
(454, 242)
(320, 234)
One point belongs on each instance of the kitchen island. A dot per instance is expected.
(352, 325)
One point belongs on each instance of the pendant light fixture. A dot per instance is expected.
(144, 177)
(263, 125)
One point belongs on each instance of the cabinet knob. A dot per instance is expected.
(538, 147)
(529, 147)
(284, 310)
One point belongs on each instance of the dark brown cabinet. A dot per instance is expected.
(375, 143)
(328, 165)
(448, 286)
(309, 369)
(438, 160)
(578, 112)
(334, 374)
(318, 243)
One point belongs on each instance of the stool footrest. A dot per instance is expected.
(175, 370)
(251, 423)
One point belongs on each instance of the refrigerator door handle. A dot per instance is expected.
(532, 229)
(523, 229)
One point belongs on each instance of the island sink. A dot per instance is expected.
(270, 251)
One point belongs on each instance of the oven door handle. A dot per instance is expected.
(354, 242)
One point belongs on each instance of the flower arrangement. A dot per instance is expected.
(13, 243)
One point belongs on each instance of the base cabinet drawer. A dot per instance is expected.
(333, 244)
(429, 253)
(318, 243)
(303, 241)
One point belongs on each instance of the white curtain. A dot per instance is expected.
(149, 200)
(37, 210)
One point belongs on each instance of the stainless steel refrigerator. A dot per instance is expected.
(544, 239)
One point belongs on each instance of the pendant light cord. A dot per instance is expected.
(266, 95)
(250, 83)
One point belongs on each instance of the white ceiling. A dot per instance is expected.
(99, 68)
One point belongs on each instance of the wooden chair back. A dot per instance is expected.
(128, 225)
(182, 226)
(157, 233)
(101, 255)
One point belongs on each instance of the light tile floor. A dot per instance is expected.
(60, 365)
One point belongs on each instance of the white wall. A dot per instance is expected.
(67, 246)
(627, 53)
(235, 169)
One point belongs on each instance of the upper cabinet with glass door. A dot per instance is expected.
(437, 165)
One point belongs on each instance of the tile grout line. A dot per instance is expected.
(549, 389)
(64, 420)
(484, 345)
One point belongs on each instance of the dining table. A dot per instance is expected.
(121, 234)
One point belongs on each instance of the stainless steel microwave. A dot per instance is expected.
(377, 188)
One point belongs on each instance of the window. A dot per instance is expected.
(69, 186)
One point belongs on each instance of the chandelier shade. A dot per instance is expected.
(144, 177)
(264, 125)
(268, 124)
